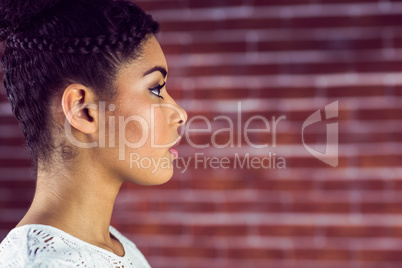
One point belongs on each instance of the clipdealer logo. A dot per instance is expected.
(331, 154)
(257, 124)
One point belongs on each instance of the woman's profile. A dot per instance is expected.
(86, 81)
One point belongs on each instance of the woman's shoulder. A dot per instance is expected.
(13, 249)
(36, 245)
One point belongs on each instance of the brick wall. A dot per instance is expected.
(269, 58)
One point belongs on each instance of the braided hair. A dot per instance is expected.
(50, 44)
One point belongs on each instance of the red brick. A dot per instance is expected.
(321, 254)
(379, 114)
(151, 229)
(356, 91)
(321, 207)
(190, 252)
(219, 230)
(273, 184)
(381, 208)
(8, 120)
(380, 255)
(286, 230)
(13, 141)
(16, 163)
(345, 185)
(379, 160)
(355, 231)
(256, 253)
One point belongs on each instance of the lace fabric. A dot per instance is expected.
(43, 246)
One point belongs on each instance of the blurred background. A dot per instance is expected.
(272, 58)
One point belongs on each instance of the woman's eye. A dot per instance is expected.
(157, 90)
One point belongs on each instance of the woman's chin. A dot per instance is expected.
(158, 177)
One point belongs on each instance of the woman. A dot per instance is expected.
(86, 80)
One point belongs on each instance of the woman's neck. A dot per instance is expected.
(79, 202)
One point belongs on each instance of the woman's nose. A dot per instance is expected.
(179, 114)
(182, 116)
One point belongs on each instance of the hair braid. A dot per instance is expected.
(85, 45)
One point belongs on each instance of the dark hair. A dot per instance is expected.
(51, 44)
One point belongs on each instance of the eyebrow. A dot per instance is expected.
(156, 69)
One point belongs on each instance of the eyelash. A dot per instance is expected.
(158, 89)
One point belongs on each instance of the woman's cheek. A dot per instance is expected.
(158, 127)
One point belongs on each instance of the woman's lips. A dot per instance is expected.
(173, 151)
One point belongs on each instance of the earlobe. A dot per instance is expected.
(79, 108)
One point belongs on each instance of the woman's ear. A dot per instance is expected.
(80, 108)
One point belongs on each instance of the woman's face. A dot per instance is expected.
(146, 121)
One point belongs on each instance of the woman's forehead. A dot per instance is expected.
(152, 58)
(153, 54)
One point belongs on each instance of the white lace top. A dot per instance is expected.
(43, 246)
